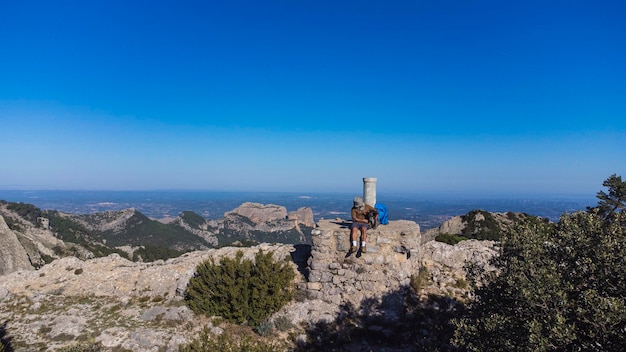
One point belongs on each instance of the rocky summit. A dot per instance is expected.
(139, 306)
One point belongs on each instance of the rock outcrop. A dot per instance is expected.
(264, 223)
(13, 256)
(259, 213)
(112, 221)
(479, 224)
(303, 216)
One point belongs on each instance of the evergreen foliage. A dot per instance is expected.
(69, 230)
(449, 238)
(65, 228)
(141, 230)
(82, 347)
(612, 203)
(559, 288)
(192, 219)
(486, 228)
(26, 211)
(151, 253)
(240, 290)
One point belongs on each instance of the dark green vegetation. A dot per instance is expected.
(82, 347)
(192, 219)
(484, 225)
(26, 211)
(611, 205)
(561, 288)
(71, 231)
(153, 239)
(481, 225)
(139, 230)
(450, 239)
(240, 290)
(149, 253)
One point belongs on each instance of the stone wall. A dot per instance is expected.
(337, 278)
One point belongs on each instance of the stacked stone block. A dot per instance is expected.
(336, 277)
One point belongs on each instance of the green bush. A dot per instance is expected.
(239, 290)
(192, 219)
(26, 211)
(81, 347)
(449, 238)
(150, 253)
(487, 228)
(264, 328)
(418, 281)
(227, 342)
(559, 288)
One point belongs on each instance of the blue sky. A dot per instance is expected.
(481, 97)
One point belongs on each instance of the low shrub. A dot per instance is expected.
(82, 347)
(419, 281)
(241, 291)
(282, 323)
(264, 328)
(449, 238)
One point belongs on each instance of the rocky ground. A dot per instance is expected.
(128, 306)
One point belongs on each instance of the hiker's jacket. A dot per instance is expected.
(358, 214)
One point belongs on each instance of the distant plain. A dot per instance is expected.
(427, 210)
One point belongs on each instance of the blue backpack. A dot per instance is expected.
(383, 217)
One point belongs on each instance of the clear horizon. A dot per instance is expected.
(427, 210)
(483, 97)
(417, 195)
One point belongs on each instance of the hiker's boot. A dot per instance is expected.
(352, 249)
(363, 249)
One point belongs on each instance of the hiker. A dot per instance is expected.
(361, 217)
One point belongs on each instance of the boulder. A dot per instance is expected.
(13, 256)
(302, 216)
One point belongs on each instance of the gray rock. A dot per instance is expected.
(302, 216)
(259, 213)
(13, 256)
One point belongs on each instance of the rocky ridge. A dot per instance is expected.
(139, 306)
(31, 237)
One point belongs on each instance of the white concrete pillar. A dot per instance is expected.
(369, 190)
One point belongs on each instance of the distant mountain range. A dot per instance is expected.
(33, 237)
(428, 211)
